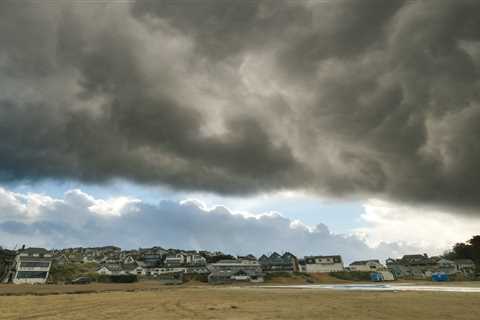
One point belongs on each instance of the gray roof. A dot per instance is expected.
(30, 258)
(363, 262)
(34, 250)
(463, 261)
(336, 258)
(112, 267)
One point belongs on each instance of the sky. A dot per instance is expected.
(312, 126)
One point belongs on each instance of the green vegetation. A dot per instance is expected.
(351, 275)
(196, 277)
(467, 250)
(61, 273)
(124, 278)
(273, 275)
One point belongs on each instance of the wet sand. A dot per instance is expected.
(243, 303)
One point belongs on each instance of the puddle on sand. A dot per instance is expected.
(377, 287)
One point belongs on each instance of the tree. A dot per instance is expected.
(468, 250)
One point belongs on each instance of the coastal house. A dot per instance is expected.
(111, 270)
(231, 276)
(418, 266)
(129, 260)
(466, 266)
(195, 260)
(175, 260)
(152, 260)
(366, 265)
(446, 266)
(153, 251)
(142, 269)
(279, 263)
(323, 264)
(200, 269)
(227, 271)
(32, 266)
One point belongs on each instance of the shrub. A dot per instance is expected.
(352, 275)
(70, 271)
(124, 278)
(273, 275)
(196, 277)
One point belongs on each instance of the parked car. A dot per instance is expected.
(81, 280)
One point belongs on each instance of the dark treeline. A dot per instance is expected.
(467, 250)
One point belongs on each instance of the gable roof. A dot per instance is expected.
(111, 267)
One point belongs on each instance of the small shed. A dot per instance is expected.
(376, 277)
(387, 275)
(439, 277)
(379, 276)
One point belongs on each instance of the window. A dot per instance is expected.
(31, 274)
(34, 264)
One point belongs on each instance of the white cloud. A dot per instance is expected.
(25, 205)
(81, 219)
(114, 206)
(433, 230)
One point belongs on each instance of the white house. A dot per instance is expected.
(111, 269)
(466, 266)
(235, 265)
(175, 260)
(129, 260)
(323, 264)
(366, 265)
(32, 266)
(195, 259)
(142, 270)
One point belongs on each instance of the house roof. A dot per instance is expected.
(335, 258)
(111, 267)
(363, 262)
(33, 250)
(30, 258)
(226, 273)
(247, 257)
(417, 259)
(288, 255)
(464, 261)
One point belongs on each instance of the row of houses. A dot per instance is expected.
(423, 267)
(32, 265)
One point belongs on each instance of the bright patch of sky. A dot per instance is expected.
(341, 216)
(377, 222)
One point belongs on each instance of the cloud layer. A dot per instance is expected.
(344, 98)
(79, 219)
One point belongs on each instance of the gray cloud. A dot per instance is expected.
(79, 219)
(344, 98)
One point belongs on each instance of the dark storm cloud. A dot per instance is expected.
(345, 98)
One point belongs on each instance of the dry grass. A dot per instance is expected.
(242, 303)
